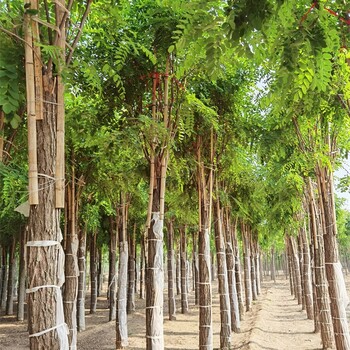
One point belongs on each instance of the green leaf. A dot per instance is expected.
(171, 48)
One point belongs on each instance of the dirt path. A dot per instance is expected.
(276, 323)
(280, 323)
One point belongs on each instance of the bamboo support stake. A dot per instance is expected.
(31, 117)
(38, 75)
(60, 173)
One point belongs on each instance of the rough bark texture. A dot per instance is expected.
(171, 263)
(45, 267)
(225, 312)
(334, 273)
(320, 279)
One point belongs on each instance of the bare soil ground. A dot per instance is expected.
(276, 323)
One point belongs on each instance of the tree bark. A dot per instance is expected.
(321, 292)
(205, 291)
(336, 285)
(71, 266)
(225, 307)
(46, 276)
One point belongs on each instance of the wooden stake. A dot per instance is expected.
(60, 171)
(31, 117)
(38, 75)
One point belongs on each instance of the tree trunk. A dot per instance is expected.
(112, 268)
(81, 280)
(257, 268)
(183, 259)
(336, 285)
(142, 269)
(273, 265)
(253, 271)
(171, 263)
(238, 274)
(231, 277)
(247, 265)
(205, 290)
(4, 279)
(178, 271)
(11, 277)
(301, 262)
(154, 270)
(307, 274)
(195, 269)
(93, 272)
(322, 297)
(99, 271)
(46, 276)
(296, 269)
(122, 293)
(131, 269)
(21, 276)
(71, 267)
(225, 308)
